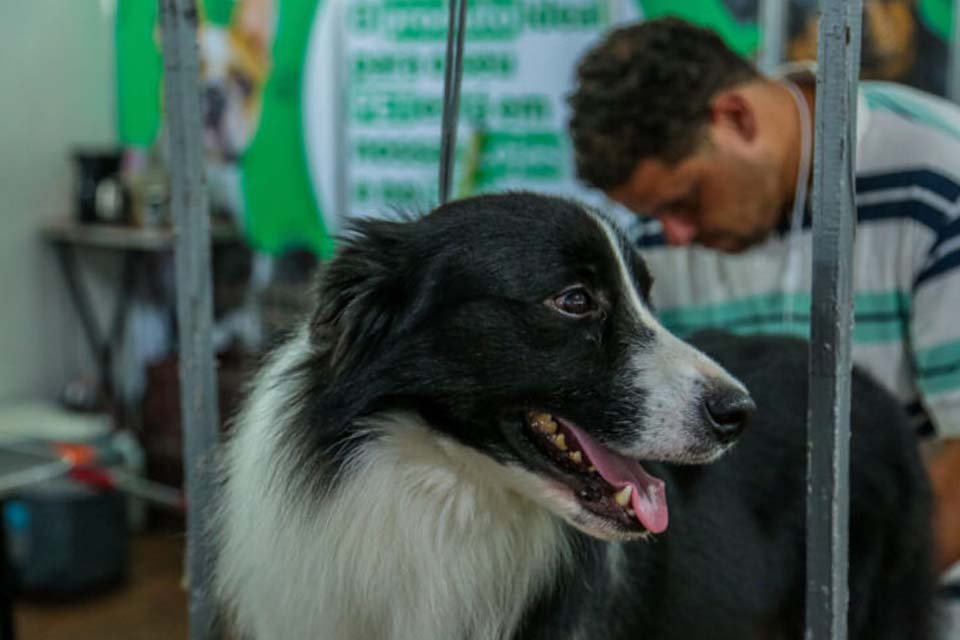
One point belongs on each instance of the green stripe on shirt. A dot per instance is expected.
(940, 383)
(889, 97)
(880, 316)
(938, 367)
(774, 306)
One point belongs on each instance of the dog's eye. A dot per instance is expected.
(575, 302)
(243, 82)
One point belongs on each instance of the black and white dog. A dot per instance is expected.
(451, 448)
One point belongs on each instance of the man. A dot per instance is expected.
(669, 122)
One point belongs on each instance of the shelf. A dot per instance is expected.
(108, 236)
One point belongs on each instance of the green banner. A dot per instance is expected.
(252, 54)
(316, 111)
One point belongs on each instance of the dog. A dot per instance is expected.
(483, 432)
(235, 63)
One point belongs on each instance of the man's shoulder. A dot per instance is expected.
(908, 194)
(908, 157)
(902, 127)
(901, 98)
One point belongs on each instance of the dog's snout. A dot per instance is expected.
(728, 410)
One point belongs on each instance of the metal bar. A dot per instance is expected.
(834, 219)
(773, 22)
(102, 346)
(953, 68)
(452, 74)
(7, 627)
(198, 402)
(128, 281)
(132, 262)
(81, 302)
(13, 481)
(342, 195)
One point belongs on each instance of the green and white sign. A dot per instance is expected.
(318, 110)
(517, 69)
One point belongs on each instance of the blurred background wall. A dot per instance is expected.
(61, 97)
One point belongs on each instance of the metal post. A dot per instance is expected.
(773, 22)
(452, 74)
(198, 403)
(834, 220)
(7, 588)
(953, 67)
(342, 195)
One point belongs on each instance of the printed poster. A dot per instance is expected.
(318, 110)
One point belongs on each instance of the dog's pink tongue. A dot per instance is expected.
(648, 498)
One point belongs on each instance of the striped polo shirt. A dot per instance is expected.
(906, 265)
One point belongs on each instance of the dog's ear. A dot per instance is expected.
(256, 22)
(362, 292)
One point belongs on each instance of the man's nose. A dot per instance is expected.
(678, 231)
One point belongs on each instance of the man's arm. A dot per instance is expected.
(944, 468)
(934, 343)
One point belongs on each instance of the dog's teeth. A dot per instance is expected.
(623, 496)
(592, 469)
(577, 457)
(631, 513)
(560, 442)
(550, 427)
(543, 423)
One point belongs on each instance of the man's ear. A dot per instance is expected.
(362, 292)
(731, 110)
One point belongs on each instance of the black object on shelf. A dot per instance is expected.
(98, 188)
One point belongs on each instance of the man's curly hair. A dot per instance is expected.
(645, 92)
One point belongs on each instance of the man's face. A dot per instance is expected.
(724, 195)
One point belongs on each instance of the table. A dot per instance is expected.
(134, 243)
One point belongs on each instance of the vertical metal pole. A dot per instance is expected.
(7, 588)
(834, 220)
(953, 68)
(341, 181)
(198, 402)
(452, 74)
(773, 22)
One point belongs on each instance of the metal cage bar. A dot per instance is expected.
(773, 23)
(834, 219)
(198, 402)
(452, 79)
(953, 66)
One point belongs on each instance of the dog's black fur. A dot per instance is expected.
(445, 317)
(732, 564)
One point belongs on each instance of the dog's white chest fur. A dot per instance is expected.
(422, 539)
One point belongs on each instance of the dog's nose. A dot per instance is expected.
(728, 411)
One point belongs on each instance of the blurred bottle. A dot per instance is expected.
(148, 182)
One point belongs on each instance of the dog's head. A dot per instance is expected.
(235, 63)
(520, 326)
